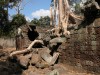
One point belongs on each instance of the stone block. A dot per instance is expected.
(97, 30)
(94, 43)
(89, 63)
(58, 40)
(35, 59)
(93, 31)
(23, 61)
(93, 37)
(82, 48)
(94, 47)
(96, 22)
(54, 72)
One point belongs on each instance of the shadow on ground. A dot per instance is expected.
(8, 67)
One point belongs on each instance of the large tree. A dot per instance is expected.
(4, 5)
(90, 9)
(63, 15)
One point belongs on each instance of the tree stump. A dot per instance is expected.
(20, 42)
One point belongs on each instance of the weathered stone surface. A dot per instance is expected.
(58, 40)
(54, 43)
(54, 72)
(94, 48)
(24, 60)
(35, 58)
(42, 64)
(83, 46)
(46, 40)
(97, 23)
(45, 49)
(52, 46)
(46, 56)
(94, 43)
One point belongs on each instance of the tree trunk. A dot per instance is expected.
(60, 11)
(55, 12)
(64, 15)
(51, 16)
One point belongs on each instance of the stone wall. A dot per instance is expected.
(82, 50)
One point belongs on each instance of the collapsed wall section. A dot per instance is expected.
(82, 50)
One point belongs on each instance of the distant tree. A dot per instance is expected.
(35, 21)
(44, 20)
(47, 20)
(18, 20)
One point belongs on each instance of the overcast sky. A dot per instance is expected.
(34, 9)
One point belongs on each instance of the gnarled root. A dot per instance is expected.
(26, 50)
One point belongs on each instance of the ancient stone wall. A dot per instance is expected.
(82, 50)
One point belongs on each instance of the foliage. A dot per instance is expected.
(9, 3)
(5, 28)
(18, 20)
(42, 21)
(77, 8)
(35, 21)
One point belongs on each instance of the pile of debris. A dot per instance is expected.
(40, 54)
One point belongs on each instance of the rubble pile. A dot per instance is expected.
(41, 54)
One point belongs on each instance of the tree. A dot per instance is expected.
(18, 20)
(35, 21)
(47, 20)
(4, 24)
(63, 16)
(43, 21)
(20, 5)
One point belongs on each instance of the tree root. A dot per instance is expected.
(26, 50)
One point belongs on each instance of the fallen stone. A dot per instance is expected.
(42, 65)
(53, 46)
(54, 58)
(58, 40)
(24, 60)
(54, 43)
(45, 49)
(54, 72)
(46, 40)
(46, 56)
(35, 59)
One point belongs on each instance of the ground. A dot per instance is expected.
(9, 67)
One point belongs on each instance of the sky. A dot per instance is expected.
(33, 9)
